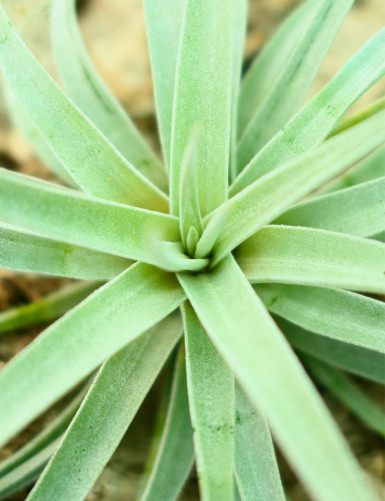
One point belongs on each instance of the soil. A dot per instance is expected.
(118, 47)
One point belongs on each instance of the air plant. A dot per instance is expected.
(244, 238)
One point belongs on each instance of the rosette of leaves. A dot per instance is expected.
(248, 239)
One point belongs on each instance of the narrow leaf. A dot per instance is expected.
(78, 219)
(47, 308)
(349, 393)
(211, 397)
(189, 212)
(304, 256)
(43, 439)
(287, 92)
(108, 409)
(91, 160)
(256, 469)
(267, 66)
(349, 357)
(77, 344)
(21, 250)
(239, 23)
(23, 122)
(175, 455)
(164, 20)
(311, 125)
(359, 210)
(341, 315)
(92, 96)
(276, 383)
(203, 99)
(27, 472)
(271, 195)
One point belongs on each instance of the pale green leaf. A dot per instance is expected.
(189, 212)
(358, 117)
(306, 256)
(78, 219)
(164, 20)
(27, 472)
(175, 454)
(239, 23)
(76, 344)
(349, 393)
(267, 66)
(287, 92)
(341, 315)
(352, 358)
(25, 125)
(273, 193)
(264, 364)
(43, 439)
(47, 308)
(256, 469)
(203, 99)
(105, 414)
(92, 96)
(369, 169)
(211, 398)
(311, 125)
(359, 210)
(91, 160)
(21, 250)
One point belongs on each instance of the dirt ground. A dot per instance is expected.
(118, 47)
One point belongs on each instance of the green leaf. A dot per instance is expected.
(305, 256)
(91, 160)
(92, 96)
(23, 122)
(311, 125)
(78, 219)
(211, 397)
(349, 393)
(43, 439)
(365, 363)
(256, 469)
(164, 20)
(267, 66)
(358, 117)
(287, 92)
(80, 341)
(359, 210)
(175, 454)
(203, 99)
(345, 316)
(272, 194)
(189, 212)
(369, 169)
(47, 308)
(239, 23)
(21, 250)
(108, 409)
(264, 365)
(27, 472)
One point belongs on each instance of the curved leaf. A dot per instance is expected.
(88, 156)
(92, 96)
(264, 365)
(305, 256)
(105, 414)
(80, 341)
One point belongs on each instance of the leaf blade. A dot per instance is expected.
(110, 405)
(224, 301)
(75, 345)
